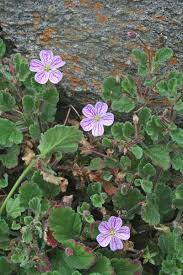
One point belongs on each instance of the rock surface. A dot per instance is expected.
(91, 35)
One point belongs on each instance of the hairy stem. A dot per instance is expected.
(17, 183)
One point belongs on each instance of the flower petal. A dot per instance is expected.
(101, 108)
(115, 222)
(123, 233)
(107, 119)
(57, 62)
(46, 56)
(55, 76)
(87, 124)
(103, 239)
(36, 66)
(89, 111)
(98, 129)
(104, 227)
(41, 77)
(115, 244)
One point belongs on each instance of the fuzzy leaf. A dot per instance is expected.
(10, 159)
(140, 56)
(128, 85)
(124, 104)
(27, 192)
(177, 162)
(4, 235)
(177, 136)
(102, 265)
(59, 263)
(5, 267)
(178, 197)
(144, 115)
(128, 201)
(178, 107)
(21, 67)
(137, 151)
(159, 156)
(2, 48)
(162, 55)
(13, 208)
(117, 131)
(9, 133)
(112, 89)
(125, 267)
(50, 100)
(7, 102)
(63, 139)
(150, 211)
(82, 257)
(65, 224)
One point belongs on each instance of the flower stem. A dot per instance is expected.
(17, 183)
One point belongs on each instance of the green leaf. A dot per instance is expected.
(27, 192)
(147, 170)
(128, 130)
(150, 211)
(162, 55)
(125, 163)
(9, 133)
(177, 162)
(35, 205)
(155, 128)
(102, 265)
(4, 235)
(144, 115)
(21, 67)
(169, 243)
(159, 156)
(146, 185)
(177, 136)
(95, 164)
(65, 224)
(129, 201)
(128, 85)
(5, 267)
(10, 158)
(162, 88)
(82, 257)
(124, 104)
(125, 267)
(27, 235)
(15, 226)
(178, 75)
(28, 104)
(49, 105)
(178, 107)
(178, 197)
(94, 188)
(117, 131)
(164, 197)
(2, 48)
(34, 131)
(48, 190)
(59, 263)
(7, 102)
(4, 181)
(137, 151)
(112, 89)
(63, 139)
(98, 199)
(106, 142)
(143, 70)
(13, 208)
(140, 56)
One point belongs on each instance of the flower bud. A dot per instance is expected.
(135, 119)
(132, 34)
(68, 251)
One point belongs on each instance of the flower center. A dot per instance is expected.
(112, 232)
(47, 68)
(97, 118)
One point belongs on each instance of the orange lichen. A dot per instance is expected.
(69, 4)
(141, 27)
(74, 58)
(86, 3)
(98, 6)
(173, 60)
(47, 34)
(101, 18)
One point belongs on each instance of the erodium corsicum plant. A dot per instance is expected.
(99, 195)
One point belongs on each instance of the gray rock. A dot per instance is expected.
(91, 35)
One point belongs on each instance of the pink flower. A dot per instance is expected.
(46, 69)
(96, 118)
(112, 233)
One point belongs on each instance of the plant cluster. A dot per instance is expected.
(91, 196)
